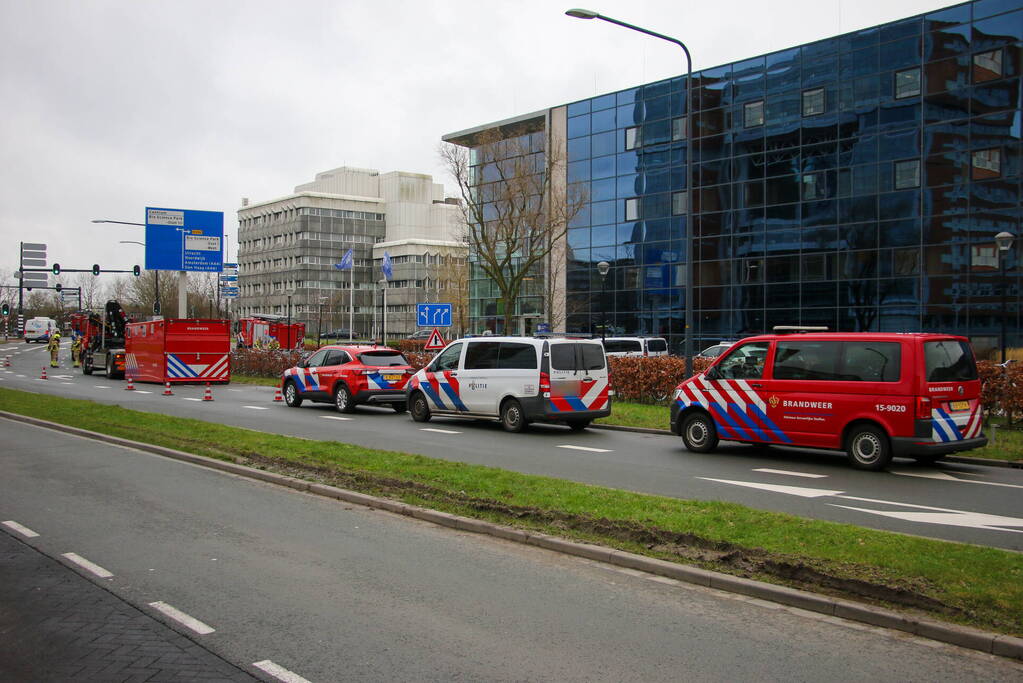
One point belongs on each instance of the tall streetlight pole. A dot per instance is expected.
(690, 295)
(156, 304)
(319, 320)
(1004, 241)
(602, 268)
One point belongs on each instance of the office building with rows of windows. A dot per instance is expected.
(856, 182)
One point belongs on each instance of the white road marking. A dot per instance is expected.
(438, 431)
(586, 448)
(790, 473)
(67, 383)
(943, 476)
(256, 407)
(192, 399)
(973, 520)
(778, 488)
(334, 417)
(21, 375)
(101, 386)
(279, 672)
(88, 566)
(142, 391)
(182, 618)
(238, 390)
(23, 530)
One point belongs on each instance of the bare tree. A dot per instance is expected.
(514, 211)
(93, 296)
(452, 276)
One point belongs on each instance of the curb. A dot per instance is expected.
(974, 639)
(1016, 464)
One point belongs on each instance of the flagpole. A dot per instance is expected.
(351, 305)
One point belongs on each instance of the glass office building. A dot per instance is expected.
(857, 182)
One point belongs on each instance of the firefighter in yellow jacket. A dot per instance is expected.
(76, 351)
(53, 346)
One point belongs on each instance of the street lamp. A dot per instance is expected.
(1004, 241)
(690, 297)
(602, 268)
(383, 312)
(319, 320)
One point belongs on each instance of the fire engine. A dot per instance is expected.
(179, 351)
(347, 375)
(261, 328)
(103, 341)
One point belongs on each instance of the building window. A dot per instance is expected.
(753, 114)
(813, 102)
(633, 137)
(679, 203)
(987, 66)
(679, 128)
(906, 262)
(632, 209)
(987, 163)
(907, 174)
(813, 186)
(907, 83)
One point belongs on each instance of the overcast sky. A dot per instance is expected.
(110, 106)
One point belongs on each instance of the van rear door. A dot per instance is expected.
(578, 376)
(951, 389)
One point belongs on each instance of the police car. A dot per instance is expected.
(349, 375)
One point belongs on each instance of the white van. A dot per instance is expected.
(516, 380)
(636, 346)
(39, 329)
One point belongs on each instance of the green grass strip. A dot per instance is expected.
(978, 586)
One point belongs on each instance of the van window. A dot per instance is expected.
(745, 362)
(949, 361)
(656, 345)
(517, 356)
(590, 357)
(806, 360)
(481, 355)
(593, 356)
(448, 358)
(622, 346)
(871, 361)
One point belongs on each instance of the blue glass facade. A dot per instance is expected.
(856, 182)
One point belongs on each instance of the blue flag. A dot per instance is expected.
(346, 261)
(386, 266)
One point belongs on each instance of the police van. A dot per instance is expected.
(516, 380)
(872, 395)
(635, 347)
(39, 329)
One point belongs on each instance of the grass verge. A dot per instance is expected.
(259, 381)
(976, 586)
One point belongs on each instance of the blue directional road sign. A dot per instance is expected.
(433, 315)
(184, 239)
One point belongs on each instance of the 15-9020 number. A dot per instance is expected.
(890, 408)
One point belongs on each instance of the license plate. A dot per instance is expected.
(392, 378)
(960, 405)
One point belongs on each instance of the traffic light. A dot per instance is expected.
(58, 287)
(136, 271)
(5, 308)
(56, 269)
(95, 269)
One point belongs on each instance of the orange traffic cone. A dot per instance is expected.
(277, 395)
(43, 376)
(131, 385)
(7, 362)
(208, 396)
(166, 389)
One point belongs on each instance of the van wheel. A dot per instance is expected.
(699, 433)
(578, 425)
(512, 418)
(291, 397)
(343, 400)
(419, 408)
(868, 448)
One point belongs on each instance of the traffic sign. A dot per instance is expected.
(435, 341)
(433, 315)
(184, 240)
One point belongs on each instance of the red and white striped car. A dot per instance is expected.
(349, 375)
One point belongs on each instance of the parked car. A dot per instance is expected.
(636, 346)
(348, 375)
(516, 380)
(716, 350)
(420, 334)
(873, 395)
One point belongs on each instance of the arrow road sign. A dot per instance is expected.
(433, 315)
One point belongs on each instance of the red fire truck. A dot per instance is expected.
(179, 350)
(261, 328)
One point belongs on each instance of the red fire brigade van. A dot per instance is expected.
(179, 350)
(348, 375)
(874, 396)
(261, 329)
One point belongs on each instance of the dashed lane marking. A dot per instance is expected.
(586, 448)
(279, 672)
(942, 476)
(88, 566)
(192, 399)
(790, 473)
(182, 618)
(334, 417)
(101, 386)
(23, 530)
(256, 407)
(438, 431)
(142, 391)
(66, 383)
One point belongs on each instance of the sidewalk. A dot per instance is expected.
(56, 625)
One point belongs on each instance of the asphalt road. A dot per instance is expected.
(329, 591)
(952, 501)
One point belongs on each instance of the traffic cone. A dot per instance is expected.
(166, 389)
(7, 362)
(131, 384)
(208, 396)
(277, 395)
(43, 376)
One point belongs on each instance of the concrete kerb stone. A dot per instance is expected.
(1001, 645)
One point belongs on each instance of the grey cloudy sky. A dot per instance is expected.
(110, 106)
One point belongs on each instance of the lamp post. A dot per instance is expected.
(1004, 241)
(690, 296)
(319, 320)
(156, 304)
(602, 268)
(289, 312)
(383, 312)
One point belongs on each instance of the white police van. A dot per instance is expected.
(636, 347)
(516, 380)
